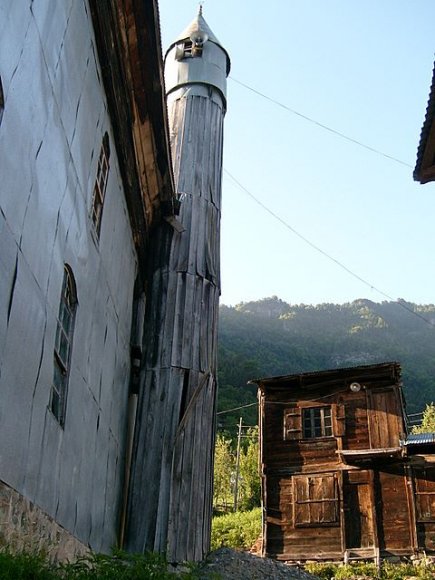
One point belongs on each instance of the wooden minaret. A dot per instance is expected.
(170, 496)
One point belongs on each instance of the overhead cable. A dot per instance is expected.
(318, 249)
(321, 125)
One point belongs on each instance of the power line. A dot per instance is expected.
(236, 408)
(321, 125)
(318, 249)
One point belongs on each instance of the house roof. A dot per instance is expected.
(419, 439)
(132, 69)
(426, 131)
(389, 371)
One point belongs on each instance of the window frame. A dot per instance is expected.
(100, 185)
(425, 496)
(63, 346)
(317, 422)
(293, 424)
(311, 510)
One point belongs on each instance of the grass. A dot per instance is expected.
(119, 566)
(423, 570)
(238, 530)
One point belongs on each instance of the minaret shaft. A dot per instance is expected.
(171, 486)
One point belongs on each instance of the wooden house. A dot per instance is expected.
(340, 478)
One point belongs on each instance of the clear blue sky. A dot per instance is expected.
(362, 68)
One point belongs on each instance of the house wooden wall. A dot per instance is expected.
(348, 491)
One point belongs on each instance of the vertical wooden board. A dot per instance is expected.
(181, 243)
(203, 357)
(210, 254)
(212, 322)
(167, 332)
(384, 418)
(200, 444)
(195, 241)
(329, 508)
(317, 492)
(208, 497)
(301, 510)
(181, 517)
(394, 518)
(188, 324)
(199, 267)
(177, 340)
(169, 419)
(196, 336)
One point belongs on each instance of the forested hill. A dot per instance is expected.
(270, 337)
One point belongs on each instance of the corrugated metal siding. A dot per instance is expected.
(420, 439)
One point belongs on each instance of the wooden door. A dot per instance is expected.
(358, 509)
(385, 424)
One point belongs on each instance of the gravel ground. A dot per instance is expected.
(225, 563)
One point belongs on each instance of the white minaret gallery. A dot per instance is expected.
(170, 497)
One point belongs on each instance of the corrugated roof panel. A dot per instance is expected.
(420, 439)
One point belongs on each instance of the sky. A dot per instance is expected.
(363, 69)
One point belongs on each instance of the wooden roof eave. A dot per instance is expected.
(425, 165)
(355, 455)
(382, 373)
(128, 42)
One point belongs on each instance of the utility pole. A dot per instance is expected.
(236, 483)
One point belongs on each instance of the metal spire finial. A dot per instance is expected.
(200, 9)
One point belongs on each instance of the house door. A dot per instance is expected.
(385, 425)
(358, 509)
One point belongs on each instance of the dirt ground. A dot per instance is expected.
(225, 563)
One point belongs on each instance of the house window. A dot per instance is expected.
(311, 422)
(425, 495)
(2, 101)
(100, 184)
(62, 347)
(315, 500)
(317, 422)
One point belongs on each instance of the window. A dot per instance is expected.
(425, 495)
(100, 184)
(190, 48)
(317, 422)
(315, 500)
(62, 347)
(312, 422)
(2, 101)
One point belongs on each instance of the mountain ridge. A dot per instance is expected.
(271, 337)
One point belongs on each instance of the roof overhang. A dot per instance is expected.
(425, 165)
(128, 41)
(380, 374)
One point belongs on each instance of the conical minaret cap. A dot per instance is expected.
(199, 24)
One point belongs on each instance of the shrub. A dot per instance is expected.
(388, 571)
(238, 530)
(120, 566)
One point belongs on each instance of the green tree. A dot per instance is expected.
(250, 486)
(224, 466)
(428, 421)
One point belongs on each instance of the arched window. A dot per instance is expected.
(63, 346)
(100, 183)
(2, 101)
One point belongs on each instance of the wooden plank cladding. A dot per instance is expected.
(171, 481)
(338, 480)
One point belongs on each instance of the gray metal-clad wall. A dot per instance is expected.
(54, 120)
(171, 481)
